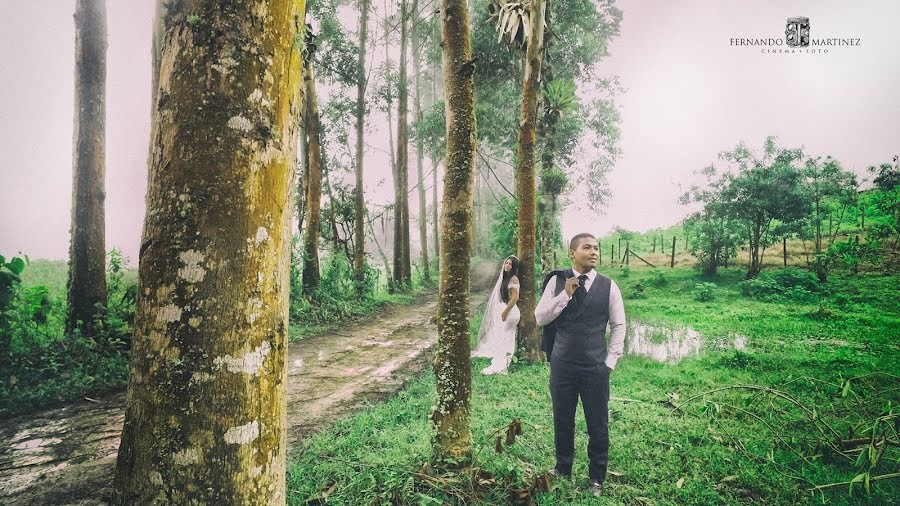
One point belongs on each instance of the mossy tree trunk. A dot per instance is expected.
(313, 180)
(205, 413)
(528, 340)
(453, 438)
(359, 244)
(86, 289)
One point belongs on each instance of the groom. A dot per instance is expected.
(579, 303)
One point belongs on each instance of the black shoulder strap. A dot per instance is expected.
(548, 277)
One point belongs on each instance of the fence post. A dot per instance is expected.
(785, 251)
(673, 251)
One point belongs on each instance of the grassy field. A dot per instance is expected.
(812, 393)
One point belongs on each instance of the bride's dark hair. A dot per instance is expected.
(504, 285)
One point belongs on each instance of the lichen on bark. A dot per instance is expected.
(208, 361)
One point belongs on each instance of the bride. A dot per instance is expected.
(497, 335)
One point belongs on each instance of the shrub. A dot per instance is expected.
(638, 292)
(657, 278)
(704, 292)
(783, 284)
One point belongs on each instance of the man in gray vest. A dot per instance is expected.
(580, 303)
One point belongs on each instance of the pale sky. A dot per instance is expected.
(690, 95)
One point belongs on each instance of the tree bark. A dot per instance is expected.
(528, 339)
(205, 413)
(434, 176)
(303, 164)
(86, 288)
(452, 435)
(359, 249)
(423, 214)
(403, 151)
(311, 272)
(387, 266)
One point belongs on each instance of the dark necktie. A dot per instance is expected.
(580, 292)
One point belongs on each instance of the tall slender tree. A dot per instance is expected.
(86, 290)
(434, 163)
(453, 438)
(208, 373)
(359, 244)
(423, 216)
(402, 268)
(528, 340)
(313, 175)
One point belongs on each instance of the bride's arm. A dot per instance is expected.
(513, 296)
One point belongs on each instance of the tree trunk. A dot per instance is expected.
(303, 164)
(397, 215)
(434, 210)
(754, 252)
(205, 414)
(423, 214)
(528, 339)
(359, 249)
(86, 289)
(784, 245)
(311, 274)
(434, 177)
(403, 150)
(453, 372)
(384, 260)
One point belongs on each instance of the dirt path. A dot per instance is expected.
(67, 455)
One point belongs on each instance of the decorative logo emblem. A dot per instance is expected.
(796, 33)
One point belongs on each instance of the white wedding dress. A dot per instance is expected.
(497, 338)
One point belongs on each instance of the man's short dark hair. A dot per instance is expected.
(574, 242)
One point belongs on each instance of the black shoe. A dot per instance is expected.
(555, 474)
(596, 488)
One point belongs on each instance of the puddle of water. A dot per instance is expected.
(672, 344)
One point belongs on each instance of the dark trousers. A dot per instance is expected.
(568, 381)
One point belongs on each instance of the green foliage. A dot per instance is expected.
(559, 96)
(9, 278)
(335, 54)
(852, 253)
(338, 295)
(44, 364)
(704, 292)
(658, 278)
(504, 230)
(788, 284)
(552, 181)
(715, 235)
(639, 291)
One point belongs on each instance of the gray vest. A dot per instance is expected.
(581, 330)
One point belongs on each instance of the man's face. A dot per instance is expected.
(585, 253)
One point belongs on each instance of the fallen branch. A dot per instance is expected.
(873, 478)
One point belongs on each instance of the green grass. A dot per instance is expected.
(735, 446)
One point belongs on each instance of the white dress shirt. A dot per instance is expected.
(550, 306)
